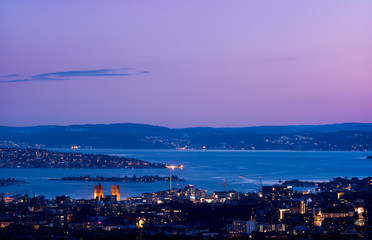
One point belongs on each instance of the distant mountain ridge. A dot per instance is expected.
(137, 128)
(341, 136)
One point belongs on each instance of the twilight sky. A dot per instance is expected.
(185, 63)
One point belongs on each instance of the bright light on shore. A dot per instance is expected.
(174, 166)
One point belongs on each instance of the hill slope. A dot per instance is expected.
(346, 136)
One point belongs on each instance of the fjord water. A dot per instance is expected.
(206, 169)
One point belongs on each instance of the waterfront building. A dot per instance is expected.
(98, 192)
(115, 191)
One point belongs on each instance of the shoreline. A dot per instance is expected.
(195, 150)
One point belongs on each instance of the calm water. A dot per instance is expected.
(204, 169)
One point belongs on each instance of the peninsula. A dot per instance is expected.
(40, 158)
(146, 179)
(9, 181)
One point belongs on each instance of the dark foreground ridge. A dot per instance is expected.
(39, 158)
(146, 179)
(339, 209)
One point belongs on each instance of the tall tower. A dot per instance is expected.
(98, 192)
(115, 190)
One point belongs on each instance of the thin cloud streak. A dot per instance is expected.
(68, 75)
(10, 76)
(17, 80)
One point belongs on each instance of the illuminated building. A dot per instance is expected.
(318, 218)
(337, 213)
(225, 195)
(340, 194)
(115, 191)
(243, 227)
(192, 192)
(174, 166)
(298, 206)
(98, 192)
(361, 221)
(276, 192)
(282, 212)
(271, 228)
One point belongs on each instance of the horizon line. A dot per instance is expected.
(155, 125)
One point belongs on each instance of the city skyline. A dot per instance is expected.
(194, 64)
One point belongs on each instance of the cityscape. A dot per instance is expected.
(339, 209)
(186, 120)
(293, 209)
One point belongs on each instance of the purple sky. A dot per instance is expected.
(185, 63)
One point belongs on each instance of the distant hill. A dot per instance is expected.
(345, 136)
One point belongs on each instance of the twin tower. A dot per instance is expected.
(98, 191)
